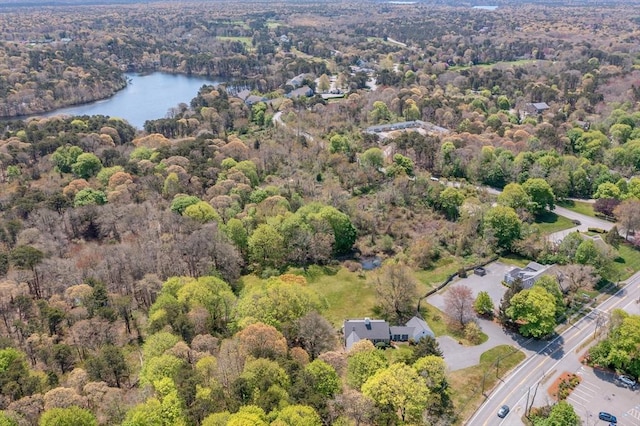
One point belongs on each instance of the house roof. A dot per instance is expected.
(360, 329)
(540, 106)
(420, 327)
(303, 91)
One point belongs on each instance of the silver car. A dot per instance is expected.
(626, 380)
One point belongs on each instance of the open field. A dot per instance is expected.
(550, 222)
(578, 207)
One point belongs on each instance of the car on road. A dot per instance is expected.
(503, 411)
(627, 381)
(603, 415)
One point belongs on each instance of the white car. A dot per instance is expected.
(626, 380)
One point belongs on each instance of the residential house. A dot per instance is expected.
(537, 107)
(296, 81)
(380, 331)
(529, 274)
(300, 92)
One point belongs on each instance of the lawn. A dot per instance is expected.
(245, 40)
(431, 278)
(467, 384)
(626, 264)
(514, 259)
(550, 222)
(438, 323)
(578, 207)
(488, 66)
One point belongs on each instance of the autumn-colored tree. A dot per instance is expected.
(263, 341)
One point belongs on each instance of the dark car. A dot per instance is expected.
(607, 417)
(480, 271)
(503, 411)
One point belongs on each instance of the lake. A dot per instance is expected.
(146, 97)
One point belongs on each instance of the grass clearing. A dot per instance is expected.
(514, 259)
(438, 322)
(578, 207)
(519, 62)
(466, 384)
(550, 222)
(626, 264)
(431, 278)
(245, 40)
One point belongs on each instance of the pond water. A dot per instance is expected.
(146, 97)
(369, 263)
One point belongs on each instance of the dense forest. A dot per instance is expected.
(196, 272)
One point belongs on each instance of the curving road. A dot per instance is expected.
(531, 378)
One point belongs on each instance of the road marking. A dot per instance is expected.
(635, 413)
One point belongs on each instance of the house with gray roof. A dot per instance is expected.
(377, 331)
(529, 274)
(537, 107)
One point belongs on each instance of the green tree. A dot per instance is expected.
(202, 212)
(258, 112)
(89, 197)
(405, 163)
(324, 84)
(503, 103)
(324, 378)
(607, 190)
(373, 157)
(105, 174)
(562, 414)
(535, 310)
(108, 366)
(450, 201)
(588, 253)
(171, 185)
(237, 233)
(541, 195)
(503, 224)
(550, 283)
(297, 415)
(514, 196)
(5, 420)
(399, 389)
(363, 365)
(165, 409)
(87, 165)
(433, 370)
(181, 202)
(484, 304)
(266, 247)
(64, 157)
(71, 416)
(380, 113)
(277, 302)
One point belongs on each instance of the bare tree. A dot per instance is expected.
(574, 277)
(396, 289)
(315, 334)
(459, 304)
(628, 215)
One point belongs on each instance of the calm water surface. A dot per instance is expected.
(146, 97)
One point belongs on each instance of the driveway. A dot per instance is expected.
(458, 356)
(586, 222)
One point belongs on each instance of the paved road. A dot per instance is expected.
(586, 222)
(536, 373)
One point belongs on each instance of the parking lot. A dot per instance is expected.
(491, 283)
(600, 391)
